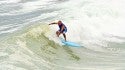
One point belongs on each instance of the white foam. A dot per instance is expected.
(92, 22)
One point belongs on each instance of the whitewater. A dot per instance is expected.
(27, 42)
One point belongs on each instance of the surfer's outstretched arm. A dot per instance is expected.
(53, 23)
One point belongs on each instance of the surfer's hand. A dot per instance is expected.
(60, 31)
(50, 24)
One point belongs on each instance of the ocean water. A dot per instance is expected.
(27, 42)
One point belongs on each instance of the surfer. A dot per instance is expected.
(62, 29)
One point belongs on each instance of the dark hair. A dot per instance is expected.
(60, 21)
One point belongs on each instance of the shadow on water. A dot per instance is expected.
(71, 53)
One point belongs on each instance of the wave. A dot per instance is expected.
(37, 48)
(34, 43)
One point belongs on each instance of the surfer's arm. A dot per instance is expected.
(52, 23)
(62, 28)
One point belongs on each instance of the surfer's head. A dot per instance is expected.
(59, 22)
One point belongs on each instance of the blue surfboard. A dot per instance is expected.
(68, 43)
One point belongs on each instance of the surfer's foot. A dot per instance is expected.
(65, 40)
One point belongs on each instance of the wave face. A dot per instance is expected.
(29, 43)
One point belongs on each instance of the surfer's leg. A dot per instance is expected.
(64, 35)
(57, 33)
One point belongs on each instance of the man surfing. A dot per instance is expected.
(62, 29)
